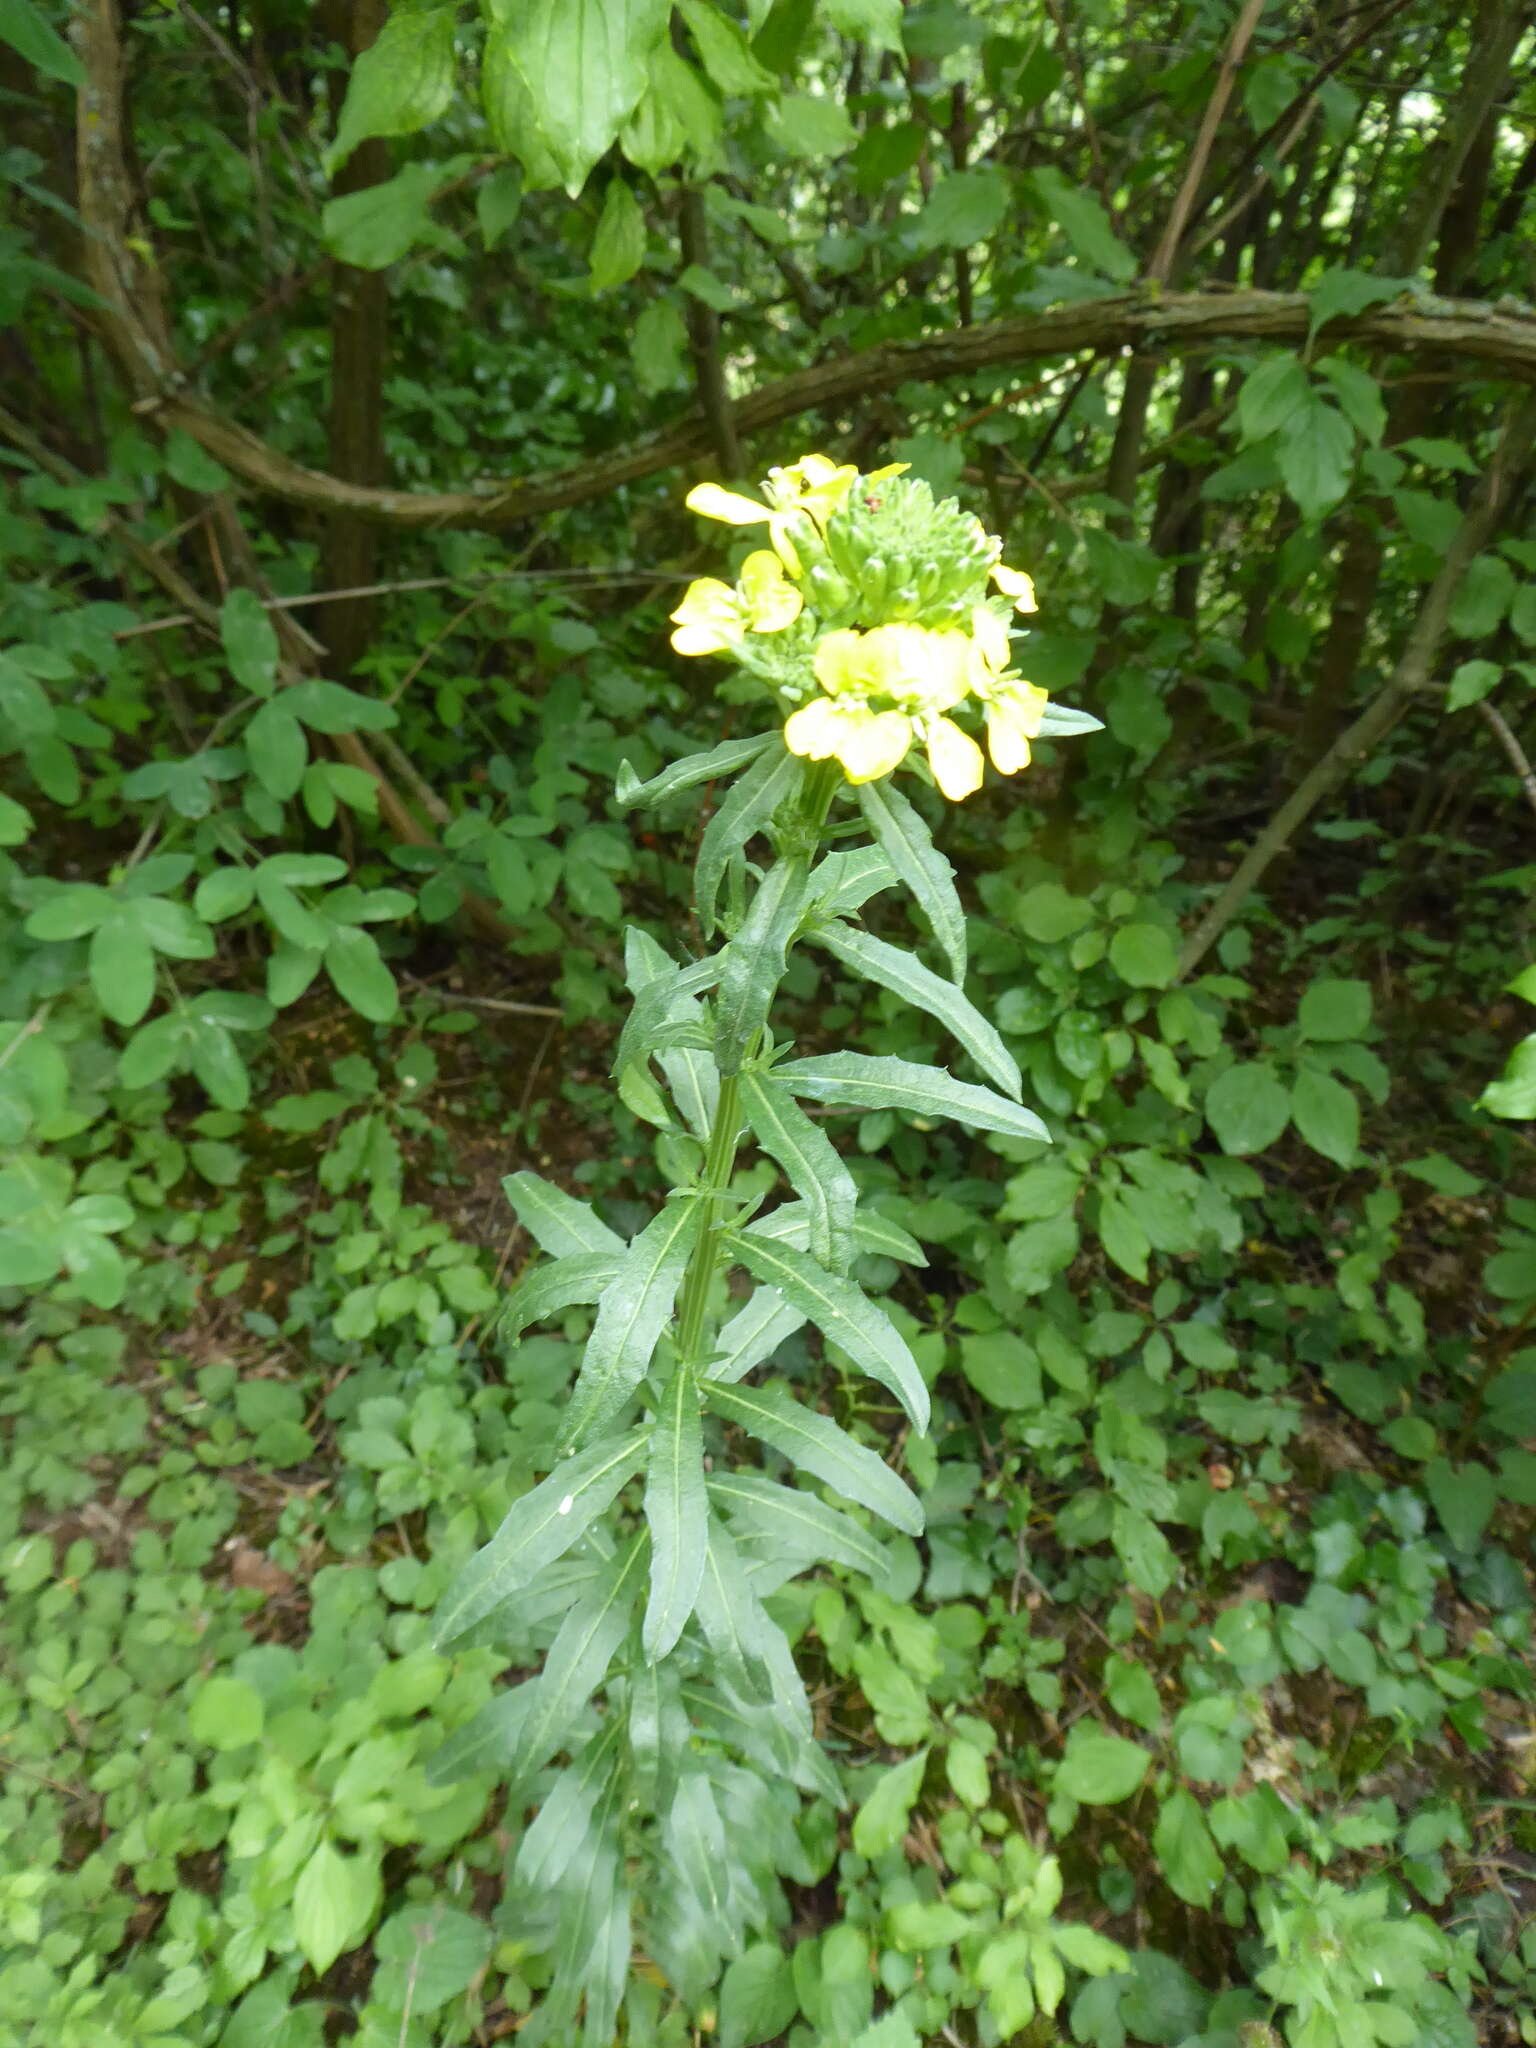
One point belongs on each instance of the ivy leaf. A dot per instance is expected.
(1100, 1769)
(1085, 224)
(401, 84)
(250, 642)
(881, 1821)
(1247, 1107)
(333, 1903)
(618, 247)
(1327, 1116)
(1317, 456)
(583, 65)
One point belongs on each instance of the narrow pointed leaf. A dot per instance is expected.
(695, 1084)
(578, 1659)
(811, 1163)
(726, 1605)
(906, 976)
(631, 1317)
(539, 1528)
(854, 1080)
(817, 1445)
(799, 1521)
(754, 962)
(790, 1223)
(688, 773)
(677, 1509)
(488, 1740)
(842, 1312)
(556, 1221)
(753, 1333)
(844, 882)
(746, 809)
(666, 1000)
(907, 844)
(547, 1289)
(558, 1833)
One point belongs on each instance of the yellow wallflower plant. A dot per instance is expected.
(871, 624)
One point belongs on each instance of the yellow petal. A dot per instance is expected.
(867, 743)
(815, 730)
(698, 640)
(1015, 584)
(1008, 746)
(841, 664)
(706, 601)
(878, 476)
(877, 742)
(991, 637)
(955, 759)
(772, 601)
(711, 501)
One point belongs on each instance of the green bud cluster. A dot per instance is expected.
(891, 554)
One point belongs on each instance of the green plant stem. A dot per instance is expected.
(719, 1165)
(820, 786)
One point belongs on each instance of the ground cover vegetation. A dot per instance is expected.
(1039, 1552)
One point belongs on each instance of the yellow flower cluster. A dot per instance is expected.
(884, 683)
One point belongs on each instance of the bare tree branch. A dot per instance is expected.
(1410, 676)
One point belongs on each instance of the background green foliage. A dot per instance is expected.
(1204, 1702)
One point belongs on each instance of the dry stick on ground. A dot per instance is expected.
(1410, 676)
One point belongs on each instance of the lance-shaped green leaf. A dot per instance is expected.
(695, 1083)
(488, 1740)
(817, 1445)
(756, 1331)
(578, 1659)
(798, 1521)
(842, 1312)
(745, 810)
(1057, 720)
(656, 1731)
(790, 1223)
(665, 1001)
(730, 1616)
(677, 1509)
(906, 842)
(756, 1730)
(906, 976)
(689, 1070)
(556, 1221)
(539, 1528)
(631, 1316)
(547, 1289)
(754, 962)
(855, 1080)
(558, 1833)
(844, 882)
(590, 1960)
(725, 759)
(812, 1164)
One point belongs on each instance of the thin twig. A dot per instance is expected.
(1495, 721)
